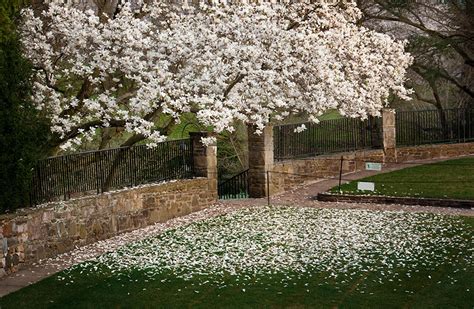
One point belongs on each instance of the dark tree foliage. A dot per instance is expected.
(23, 132)
(441, 39)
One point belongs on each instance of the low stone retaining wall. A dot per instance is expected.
(285, 175)
(327, 197)
(440, 151)
(37, 233)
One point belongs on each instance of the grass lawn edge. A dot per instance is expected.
(382, 199)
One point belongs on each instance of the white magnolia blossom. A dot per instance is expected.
(248, 62)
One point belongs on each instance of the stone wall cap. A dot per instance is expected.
(338, 155)
(69, 203)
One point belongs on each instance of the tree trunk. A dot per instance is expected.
(125, 147)
(441, 112)
(444, 122)
(118, 159)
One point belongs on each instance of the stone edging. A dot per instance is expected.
(328, 197)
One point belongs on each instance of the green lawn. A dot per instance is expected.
(452, 179)
(329, 115)
(278, 257)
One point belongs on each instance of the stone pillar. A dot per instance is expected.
(389, 135)
(205, 159)
(260, 160)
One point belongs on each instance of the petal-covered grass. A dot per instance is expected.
(278, 257)
(453, 179)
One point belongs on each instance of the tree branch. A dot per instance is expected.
(402, 19)
(85, 127)
(418, 68)
(420, 98)
(237, 80)
(81, 95)
(464, 88)
(140, 137)
(48, 80)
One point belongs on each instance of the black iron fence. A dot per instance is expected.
(235, 187)
(434, 126)
(84, 173)
(328, 136)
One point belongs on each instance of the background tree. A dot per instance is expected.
(23, 133)
(441, 36)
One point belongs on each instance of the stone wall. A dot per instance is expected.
(288, 175)
(434, 151)
(260, 160)
(283, 176)
(262, 166)
(36, 233)
(389, 135)
(204, 158)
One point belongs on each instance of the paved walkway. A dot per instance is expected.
(302, 196)
(25, 277)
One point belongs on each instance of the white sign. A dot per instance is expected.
(366, 186)
(373, 166)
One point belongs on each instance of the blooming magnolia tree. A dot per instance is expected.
(248, 62)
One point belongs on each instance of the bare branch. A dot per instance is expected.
(48, 80)
(237, 80)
